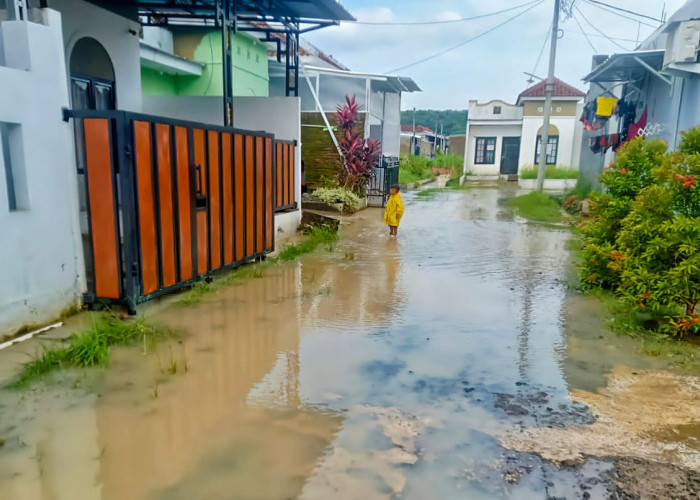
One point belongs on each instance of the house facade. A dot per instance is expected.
(419, 140)
(322, 89)
(656, 89)
(122, 176)
(503, 138)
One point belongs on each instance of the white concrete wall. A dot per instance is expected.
(484, 111)
(391, 140)
(41, 254)
(276, 115)
(569, 148)
(118, 35)
(492, 130)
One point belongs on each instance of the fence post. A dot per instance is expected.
(127, 195)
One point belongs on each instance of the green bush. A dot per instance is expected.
(550, 172)
(643, 241)
(345, 196)
(414, 169)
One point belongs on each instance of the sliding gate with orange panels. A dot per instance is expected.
(166, 203)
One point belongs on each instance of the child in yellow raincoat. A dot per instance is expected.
(394, 210)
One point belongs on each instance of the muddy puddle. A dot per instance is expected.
(452, 362)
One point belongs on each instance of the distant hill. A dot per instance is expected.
(454, 121)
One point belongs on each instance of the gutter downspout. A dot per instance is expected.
(320, 108)
(678, 114)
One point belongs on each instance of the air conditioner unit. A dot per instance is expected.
(683, 44)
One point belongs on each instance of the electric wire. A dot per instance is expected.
(447, 21)
(597, 2)
(465, 42)
(599, 31)
(544, 44)
(595, 51)
(611, 11)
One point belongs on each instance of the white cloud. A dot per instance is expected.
(490, 67)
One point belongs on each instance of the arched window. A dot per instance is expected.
(92, 76)
(552, 146)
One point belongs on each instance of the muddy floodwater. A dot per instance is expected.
(455, 361)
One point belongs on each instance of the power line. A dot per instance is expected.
(544, 44)
(612, 11)
(597, 2)
(599, 31)
(595, 51)
(593, 35)
(448, 21)
(461, 44)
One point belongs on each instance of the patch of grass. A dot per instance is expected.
(537, 206)
(88, 349)
(453, 183)
(429, 192)
(414, 169)
(318, 236)
(550, 172)
(683, 354)
(195, 294)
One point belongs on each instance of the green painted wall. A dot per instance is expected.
(250, 68)
(153, 83)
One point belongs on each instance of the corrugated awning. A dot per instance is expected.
(628, 67)
(288, 12)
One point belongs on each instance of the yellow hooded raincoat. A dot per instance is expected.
(394, 210)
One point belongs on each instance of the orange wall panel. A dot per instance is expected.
(239, 195)
(214, 199)
(250, 194)
(102, 217)
(259, 194)
(146, 207)
(227, 185)
(165, 201)
(184, 203)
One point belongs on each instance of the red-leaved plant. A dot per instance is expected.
(359, 156)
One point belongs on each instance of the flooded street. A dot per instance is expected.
(442, 364)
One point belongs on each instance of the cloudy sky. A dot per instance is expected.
(491, 66)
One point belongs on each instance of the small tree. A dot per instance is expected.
(359, 156)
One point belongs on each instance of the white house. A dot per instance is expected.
(659, 84)
(504, 138)
(76, 153)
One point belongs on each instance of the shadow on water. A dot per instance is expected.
(386, 367)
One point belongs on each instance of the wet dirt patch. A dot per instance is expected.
(636, 479)
(633, 416)
(543, 409)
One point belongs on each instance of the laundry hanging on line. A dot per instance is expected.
(605, 106)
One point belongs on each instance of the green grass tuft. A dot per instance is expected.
(429, 192)
(551, 172)
(88, 349)
(537, 206)
(318, 236)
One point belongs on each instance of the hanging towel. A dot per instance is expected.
(605, 106)
(634, 129)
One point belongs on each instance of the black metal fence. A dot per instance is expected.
(165, 203)
(386, 174)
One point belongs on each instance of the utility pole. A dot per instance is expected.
(436, 139)
(413, 141)
(442, 134)
(548, 98)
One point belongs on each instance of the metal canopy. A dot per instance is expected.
(628, 67)
(304, 13)
(280, 20)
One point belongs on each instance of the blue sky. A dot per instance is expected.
(488, 68)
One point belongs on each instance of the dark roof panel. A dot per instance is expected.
(295, 10)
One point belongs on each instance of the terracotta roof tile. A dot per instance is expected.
(561, 89)
(419, 129)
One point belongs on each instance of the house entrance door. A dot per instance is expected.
(510, 155)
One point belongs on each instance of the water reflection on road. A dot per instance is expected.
(385, 367)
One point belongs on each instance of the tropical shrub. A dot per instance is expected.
(643, 240)
(359, 156)
(344, 196)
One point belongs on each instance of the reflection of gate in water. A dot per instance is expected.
(386, 174)
(168, 202)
